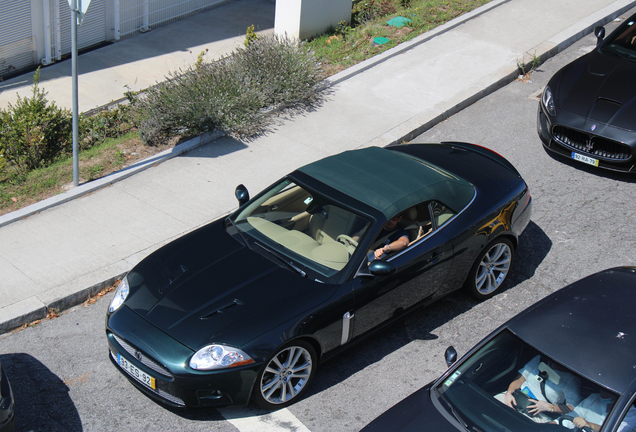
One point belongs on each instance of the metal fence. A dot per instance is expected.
(133, 16)
(17, 46)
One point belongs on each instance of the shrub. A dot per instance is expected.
(196, 101)
(284, 70)
(108, 123)
(368, 10)
(231, 94)
(34, 133)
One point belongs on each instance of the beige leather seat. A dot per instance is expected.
(337, 221)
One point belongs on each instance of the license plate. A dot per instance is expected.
(585, 159)
(136, 373)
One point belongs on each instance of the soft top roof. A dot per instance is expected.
(598, 312)
(390, 181)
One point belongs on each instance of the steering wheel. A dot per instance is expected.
(348, 241)
(571, 419)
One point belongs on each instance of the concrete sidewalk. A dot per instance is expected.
(60, 254)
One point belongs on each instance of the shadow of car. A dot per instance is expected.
(246, 306)
(565, 363)
(587, 111)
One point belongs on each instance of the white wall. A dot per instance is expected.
(306, 18)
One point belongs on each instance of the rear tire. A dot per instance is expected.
(490, 269)
(286, 375)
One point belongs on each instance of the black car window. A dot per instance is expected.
(477, 389)
(624, 43)
(440, 214)
(417, 222)
(628, 421)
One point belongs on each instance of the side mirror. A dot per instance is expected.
(599, 32)
(242, 195)
(450, 355)
(381, 268)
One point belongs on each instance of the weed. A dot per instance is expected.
(521, 67)
(250, 36)
(201, 58)
(94, 172)
(536, 61)
(342, 30)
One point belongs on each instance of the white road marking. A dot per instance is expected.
(247, 419)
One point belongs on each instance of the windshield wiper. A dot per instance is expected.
(239, 231)
(451, 409)
(283, 260)
(618, 53)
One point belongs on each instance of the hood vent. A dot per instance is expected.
(603, 110)
(223, 308)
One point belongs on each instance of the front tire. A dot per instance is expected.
(285, 376)
(490, 269)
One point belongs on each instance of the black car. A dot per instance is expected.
(588, 109)
(7, 404)
(579, 337)
(246, 306)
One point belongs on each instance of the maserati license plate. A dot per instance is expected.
(584, 159)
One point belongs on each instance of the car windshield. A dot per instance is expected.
(623, 44)
(476, 392)
(303, 228)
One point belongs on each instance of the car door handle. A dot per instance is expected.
(433, 258)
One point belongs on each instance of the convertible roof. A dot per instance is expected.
(390, 181)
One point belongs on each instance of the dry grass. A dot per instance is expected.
(21, 191)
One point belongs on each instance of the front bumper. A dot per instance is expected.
(158, 355)
(567, 135)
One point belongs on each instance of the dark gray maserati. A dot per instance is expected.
(565, 363)
(587, 111)
(248, 305)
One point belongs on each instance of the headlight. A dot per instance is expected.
(219, 357)
(120, 295)
(548, 101)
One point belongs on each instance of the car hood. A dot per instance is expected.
(413, 414)
(207, 287)
(600, 88)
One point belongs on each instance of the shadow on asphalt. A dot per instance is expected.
(534, 245)
(42, 400)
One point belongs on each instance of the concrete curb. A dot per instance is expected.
(35, 308)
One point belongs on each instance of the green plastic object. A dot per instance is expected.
(380, 40)
(398, 22)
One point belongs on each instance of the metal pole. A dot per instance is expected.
(75, 100)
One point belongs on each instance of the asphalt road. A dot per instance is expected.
(582, 223)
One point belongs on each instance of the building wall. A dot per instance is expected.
(304, 19)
